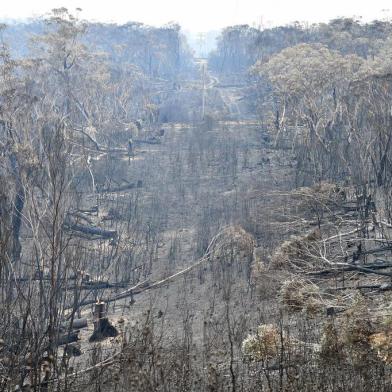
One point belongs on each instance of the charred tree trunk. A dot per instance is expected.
(18, 205)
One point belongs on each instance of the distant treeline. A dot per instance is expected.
(159, 52)
(239, 47)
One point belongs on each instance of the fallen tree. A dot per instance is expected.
(121, 188)
(90, 230)
(213, 247)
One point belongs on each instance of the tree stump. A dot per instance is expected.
(102, 327)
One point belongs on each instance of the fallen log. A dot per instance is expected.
(67, 338)
(153, 140)
(379, 287)
(353, 206)
(376, 250)
(92, 210)
(72, 350)
(364, 268)
(79, 215)
(76, 324)
(139, 288)
(38, 275)
(122, 188)
(91, 230)
(96, 286)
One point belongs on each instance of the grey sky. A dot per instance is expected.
(203, 15)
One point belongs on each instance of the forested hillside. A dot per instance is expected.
(172, 223)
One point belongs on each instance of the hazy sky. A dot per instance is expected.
(203, 15)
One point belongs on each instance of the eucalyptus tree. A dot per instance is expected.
(310, 82)
(38, 106)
